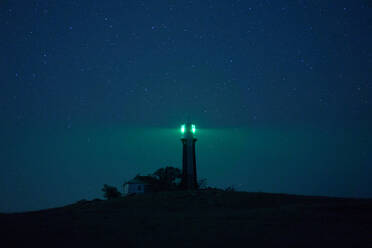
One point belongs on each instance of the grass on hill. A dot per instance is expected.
(206, 218)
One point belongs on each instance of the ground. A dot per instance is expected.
(208, 218)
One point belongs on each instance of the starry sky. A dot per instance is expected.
(94, 92)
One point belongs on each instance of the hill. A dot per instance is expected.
(208, 218)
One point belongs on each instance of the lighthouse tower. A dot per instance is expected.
(188, 156)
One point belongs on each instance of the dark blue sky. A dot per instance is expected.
(94, 92)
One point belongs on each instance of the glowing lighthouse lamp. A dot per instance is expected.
(183, 128)
(188, 139)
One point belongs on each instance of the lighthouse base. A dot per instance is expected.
(189, 179)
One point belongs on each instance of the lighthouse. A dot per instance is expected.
(188, 139)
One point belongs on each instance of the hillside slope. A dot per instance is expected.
(209, 218)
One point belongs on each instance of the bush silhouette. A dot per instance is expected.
(202, 183)
(167, 177)
(163, 179)
(110, 192)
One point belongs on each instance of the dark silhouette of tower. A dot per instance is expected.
(188, 139)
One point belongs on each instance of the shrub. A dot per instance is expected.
(230, 189)
(110, 192)
(168, 175)
(166, 178)
(202, 183)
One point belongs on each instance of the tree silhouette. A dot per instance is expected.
(168, 175)
(110, 192)
(166, 178)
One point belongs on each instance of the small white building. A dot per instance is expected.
(135, 186)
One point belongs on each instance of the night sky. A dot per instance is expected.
(94, 92)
